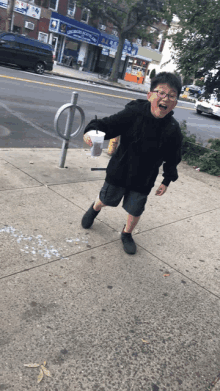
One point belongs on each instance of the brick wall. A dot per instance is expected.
(62, 7)
(43, 25)
(19, 20)
(78, 14)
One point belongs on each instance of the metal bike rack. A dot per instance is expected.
(72, 106)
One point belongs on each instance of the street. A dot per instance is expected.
(29, 103)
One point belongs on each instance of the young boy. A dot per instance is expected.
(149, 136)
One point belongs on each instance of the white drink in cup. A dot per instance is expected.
(97, 138)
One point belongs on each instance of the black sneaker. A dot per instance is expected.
(89, 217)
(128, 243)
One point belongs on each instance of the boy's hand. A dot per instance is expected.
(87, 139)
(161, 190)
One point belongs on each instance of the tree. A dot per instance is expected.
(132, 19)
(197, 41)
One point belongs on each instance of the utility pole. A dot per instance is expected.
(10, 9)
(26, 18)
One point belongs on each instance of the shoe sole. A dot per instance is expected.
(130, 253)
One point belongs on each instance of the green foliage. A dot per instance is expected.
(207, 159)
(187, 80)
(152, 74)
(199, 83)
(130, 17)
(197, 42)
(187, 137)
(210, 163)
(214, 143)
(188, 144)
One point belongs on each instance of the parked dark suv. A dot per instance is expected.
(25, 52)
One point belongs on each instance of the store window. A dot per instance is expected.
(71, 9)
(54, 5)
(102, 26)
(71, 52)
(16, 29)
(115, 32)
(42, 37)
(42, 3)
(139, 42)
(85, 15)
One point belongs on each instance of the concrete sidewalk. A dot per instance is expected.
(64, 71)
(101, 319)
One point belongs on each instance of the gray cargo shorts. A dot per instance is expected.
(133, 202)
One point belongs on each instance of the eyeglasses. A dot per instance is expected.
(162, 95)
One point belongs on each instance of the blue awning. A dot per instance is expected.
(132, 48)
(82, 32)
(108, 41)
(111, 42)
(73, 29)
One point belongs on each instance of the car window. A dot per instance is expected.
(9, 40)
(8, 37)
(24, 41)
(28, 45)
(44, 51)
(21, 39)
(27, 48)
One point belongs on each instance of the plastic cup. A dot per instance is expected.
(97, 138)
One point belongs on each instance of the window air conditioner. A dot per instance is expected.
(70, 12)
(102, 27)
(29, 25)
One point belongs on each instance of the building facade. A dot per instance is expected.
(167, 63)
(77, 43)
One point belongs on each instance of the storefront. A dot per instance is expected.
(77, 44)
(137, 69)
(108, 45)
(71, 40)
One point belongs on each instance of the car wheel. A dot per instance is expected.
(198, 111)
(39, 68)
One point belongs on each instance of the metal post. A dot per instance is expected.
(69, 124)
(71, 107)
(62, 51)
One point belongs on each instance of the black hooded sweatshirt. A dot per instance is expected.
(145, 143)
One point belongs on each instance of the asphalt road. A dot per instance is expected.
(29, 102)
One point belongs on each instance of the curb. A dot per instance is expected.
(97, 82)
(112, 85)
